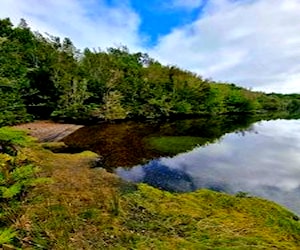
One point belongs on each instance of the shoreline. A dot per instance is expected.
(48, 131)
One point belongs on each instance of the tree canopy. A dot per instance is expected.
(46, 76)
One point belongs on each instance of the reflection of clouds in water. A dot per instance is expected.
(158, 175)
(266, 163)
(250, 160)
(136, 174)
(287, 129)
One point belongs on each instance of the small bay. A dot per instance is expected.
(263, 161)
(235, 155)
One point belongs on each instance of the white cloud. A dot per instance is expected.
(89, 23)
(251, 43)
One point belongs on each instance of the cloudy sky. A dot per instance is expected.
(252, 43)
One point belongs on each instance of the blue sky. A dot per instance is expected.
(160, 17)
(252, 43)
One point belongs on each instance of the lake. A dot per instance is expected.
(229, 155)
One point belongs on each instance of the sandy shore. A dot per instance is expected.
(48, 131)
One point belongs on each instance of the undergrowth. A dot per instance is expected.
(17, 177)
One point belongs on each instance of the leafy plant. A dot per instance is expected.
(6, 235)
(17, 176)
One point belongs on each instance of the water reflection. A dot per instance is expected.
(127, 143)
(264, 161)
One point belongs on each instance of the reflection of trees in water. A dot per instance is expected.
(124, 144)
(245, 131)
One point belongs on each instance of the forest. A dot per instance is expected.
(43, 76)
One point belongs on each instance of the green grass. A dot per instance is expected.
(207, 220)
(174, 144)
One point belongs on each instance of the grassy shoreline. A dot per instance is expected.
(83, 208)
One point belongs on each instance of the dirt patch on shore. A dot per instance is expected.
(48, 131)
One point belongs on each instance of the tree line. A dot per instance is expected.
(43, 76)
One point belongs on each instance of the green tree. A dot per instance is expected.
(12, 73)
(112, 107)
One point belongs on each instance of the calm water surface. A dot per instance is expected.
(128, 144)
(263, 161)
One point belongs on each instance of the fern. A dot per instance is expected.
(2, 179)
(6, 236)
(17, 175)
(10, 192)
(23, 173)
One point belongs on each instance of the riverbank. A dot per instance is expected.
(48, 131)
(84, 208)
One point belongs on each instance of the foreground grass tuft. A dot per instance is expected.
(207, 220)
